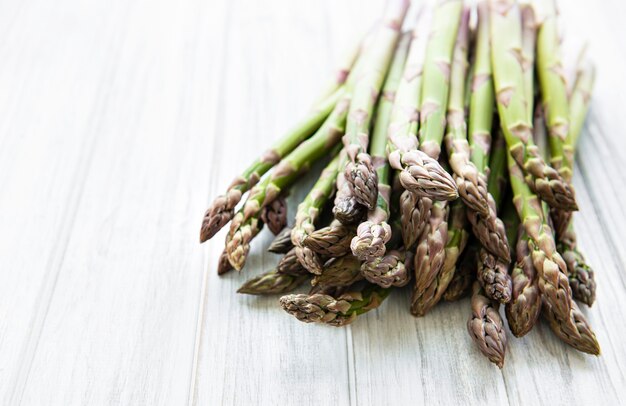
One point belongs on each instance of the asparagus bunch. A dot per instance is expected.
(396, 209)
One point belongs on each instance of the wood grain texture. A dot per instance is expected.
(122, 119)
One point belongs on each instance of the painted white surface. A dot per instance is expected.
(119, 120)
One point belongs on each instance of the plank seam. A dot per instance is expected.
(215, 159)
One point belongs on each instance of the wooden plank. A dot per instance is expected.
(48, 101)
(121, 324)
(427, 360)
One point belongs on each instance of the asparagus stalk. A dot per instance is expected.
(339, 311)
(464, 274)
(332, 241)
(282, 243)
(374, 233)
(482, 98)
(222, 209)
(243, 230)
(419, 173)
(429, 259)
(308, 212)
(244, 225)
(472, 187)
(561, 311)
(524, 308)
(272, 283)
(486, 225)
(436, 78)
(274, 215)
(581, 276)
(554, 92)
(580, 98)
(489, 229)
(359, 170)
(486, 327)
(505, 29)
(529, 38)
(498, 179)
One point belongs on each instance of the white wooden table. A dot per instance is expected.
(120, 119)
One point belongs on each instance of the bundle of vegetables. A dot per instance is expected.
(491, 215)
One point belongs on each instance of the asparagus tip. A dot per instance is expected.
(363, 180)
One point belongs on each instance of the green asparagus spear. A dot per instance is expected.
(506, 55)
(489, 229)
(339, 311)
(308, 212)
(419, 173)
(472, 187)
(486, 327)
(482, 97)
(374, 233)
(223, 208)
(272, 283)
(359, 170)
